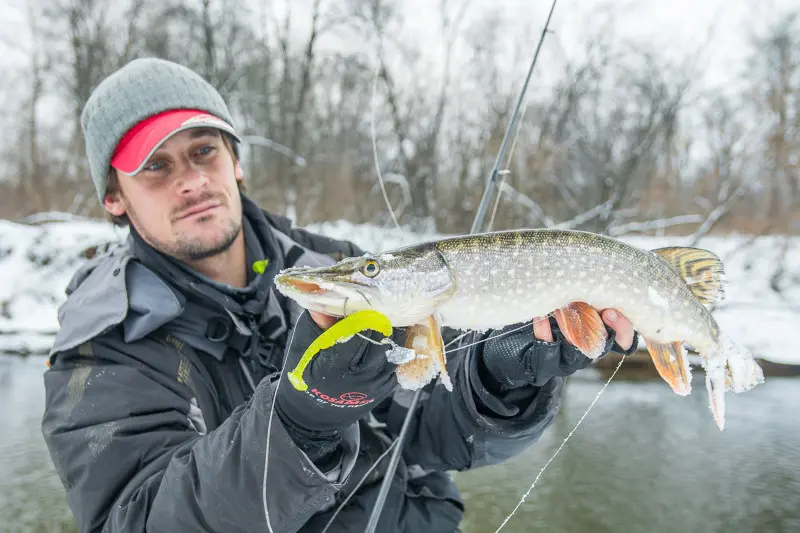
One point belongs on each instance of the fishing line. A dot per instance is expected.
(375, 145)
(490, 337)
(291, 338)
(396, 445)
(372, 522)
(358, 485)
(381, 343)
(530, 489)
(269, 433)
(458, 338)
(477, 224)
(470, 332)
(269, 427)
(396, 442)
(486, 339)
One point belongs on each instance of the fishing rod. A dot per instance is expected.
(477, 226)
(491, 183)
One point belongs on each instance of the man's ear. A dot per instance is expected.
(114, 204)
(238, 172)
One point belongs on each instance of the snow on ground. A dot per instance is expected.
(754, 314)
(37, 262)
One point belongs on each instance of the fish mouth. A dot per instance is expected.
(319, 281)
(305, 287)
(325, 291)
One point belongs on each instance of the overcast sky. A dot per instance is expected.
(676, 25)
(676, 28)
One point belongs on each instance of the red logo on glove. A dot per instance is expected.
(347, 399)
(353, 396)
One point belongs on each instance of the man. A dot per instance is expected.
(161, 405)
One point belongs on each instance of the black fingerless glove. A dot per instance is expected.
(519, 359)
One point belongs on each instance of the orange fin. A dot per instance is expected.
(582, 326)
(672, 364)
(425, 339)
(416, 373)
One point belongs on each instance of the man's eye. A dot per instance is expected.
(155, 166)
(205, 150)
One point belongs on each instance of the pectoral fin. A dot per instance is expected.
(582, 326)
(672, 364)
(425, 339)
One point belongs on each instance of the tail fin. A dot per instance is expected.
(729, 367)
(742, 372)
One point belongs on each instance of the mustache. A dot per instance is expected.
(207, 196)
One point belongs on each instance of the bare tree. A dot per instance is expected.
(32, 182)
(729, 174)
(612, 148)
(416, 114)
(598, 140)
(775, 68)
(87, 40)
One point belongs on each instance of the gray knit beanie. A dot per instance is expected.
(142, 88)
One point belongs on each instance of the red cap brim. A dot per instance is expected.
(139, 143)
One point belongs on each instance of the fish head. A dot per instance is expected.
(406, 287)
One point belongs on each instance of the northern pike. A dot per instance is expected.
(496, 279)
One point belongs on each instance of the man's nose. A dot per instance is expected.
(192, 179)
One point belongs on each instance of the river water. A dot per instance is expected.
(643, 460)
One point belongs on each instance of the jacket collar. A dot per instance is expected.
(259, 244)
(211, 307)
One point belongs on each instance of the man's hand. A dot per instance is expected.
(535, 354)
(611, 317)
(345, 381)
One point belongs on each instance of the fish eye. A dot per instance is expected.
(370, 268)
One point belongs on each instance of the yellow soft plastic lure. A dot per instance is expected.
(343, 329)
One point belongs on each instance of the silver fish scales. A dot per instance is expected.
(491, 280)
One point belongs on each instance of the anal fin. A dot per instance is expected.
(425, 339)
(582, 327)
(672, 364)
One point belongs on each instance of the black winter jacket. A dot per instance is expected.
(160, 388)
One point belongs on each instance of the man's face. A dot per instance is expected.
(185, 201)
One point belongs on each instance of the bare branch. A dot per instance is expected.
(650, 225)
(717, 214)
(583, 218)
(526, 201)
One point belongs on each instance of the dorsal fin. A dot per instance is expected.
(700, 269)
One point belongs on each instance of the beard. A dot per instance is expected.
(187, 248)
(190, 248)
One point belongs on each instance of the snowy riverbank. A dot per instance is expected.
(36, 261)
